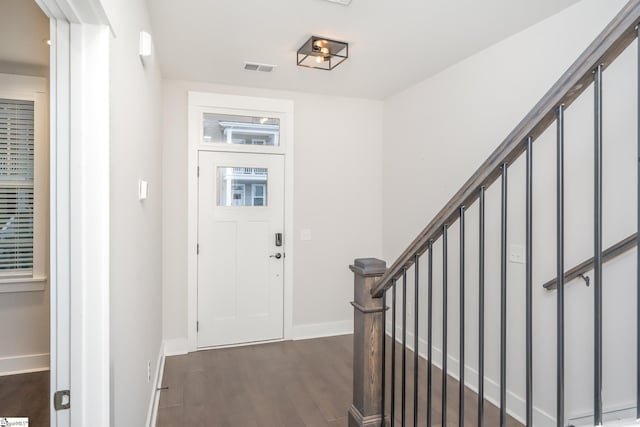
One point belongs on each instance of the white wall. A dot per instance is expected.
(338, 148)
(23, 31)
(136, 227)
(439, 131)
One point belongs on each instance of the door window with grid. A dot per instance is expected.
(16, 187)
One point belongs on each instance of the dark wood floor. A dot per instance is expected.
(293, 383)
(26, 395)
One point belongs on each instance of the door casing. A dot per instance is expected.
(79, 213)
(245, 105)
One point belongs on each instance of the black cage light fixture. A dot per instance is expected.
(322, 53)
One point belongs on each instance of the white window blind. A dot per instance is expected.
(16, 186)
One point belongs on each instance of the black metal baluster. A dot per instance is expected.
(444, 325)
(481, 311)
(503, 301)
(560, 266)
(430, 331)
(461, 392)
(404, 346)
(597, 256)
(393, 353)
(529, 285)
(415, 341)
(384, 356)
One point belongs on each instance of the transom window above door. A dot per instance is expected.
(240, 130)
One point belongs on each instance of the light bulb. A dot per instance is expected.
(319, 59)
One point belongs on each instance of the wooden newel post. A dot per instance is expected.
(368, 313)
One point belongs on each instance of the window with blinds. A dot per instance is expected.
(16, 186)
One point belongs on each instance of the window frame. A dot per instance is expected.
(254, 196)
(27, 88)
(200, 110)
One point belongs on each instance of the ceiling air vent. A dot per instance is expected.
(254, 66)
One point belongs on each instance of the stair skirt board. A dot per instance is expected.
(516, 404)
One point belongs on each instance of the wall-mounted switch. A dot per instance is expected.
(143, 189)
(145, 45)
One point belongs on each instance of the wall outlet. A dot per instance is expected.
(516, 254)
(148, 371)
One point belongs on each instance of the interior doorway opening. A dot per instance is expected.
(24, 212)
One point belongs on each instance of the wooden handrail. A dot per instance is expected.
(609, 254)
(603, 51)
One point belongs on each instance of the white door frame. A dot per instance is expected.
(244, 105)
(79, 197)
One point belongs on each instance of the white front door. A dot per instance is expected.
(240, 265)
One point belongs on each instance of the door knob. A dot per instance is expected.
(276, 256)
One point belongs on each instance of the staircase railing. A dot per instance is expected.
(610, 253)
(373, 280)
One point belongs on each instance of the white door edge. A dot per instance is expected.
(223, 102)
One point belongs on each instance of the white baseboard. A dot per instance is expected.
(176, 347)
(179, 346)
(24, 364)
(515, 403)
(318, 330)
(152, 413)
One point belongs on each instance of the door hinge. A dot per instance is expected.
(198, 172)
(198, 326)
(62, 400)
(197, 248)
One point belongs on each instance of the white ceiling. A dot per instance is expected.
(23, 31)
(393, 43)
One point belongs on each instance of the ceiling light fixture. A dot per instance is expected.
(322, 53)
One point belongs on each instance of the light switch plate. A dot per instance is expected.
(516, 254)
(145, 45)
(143, 189)
(305, 234)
